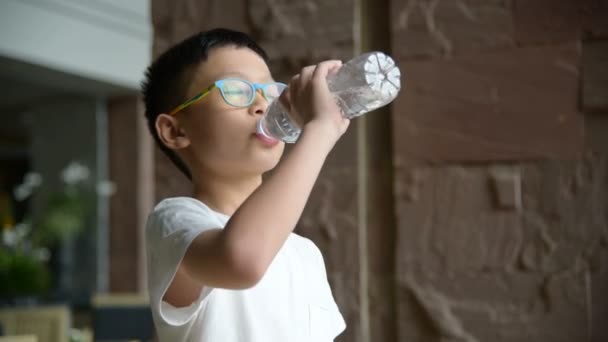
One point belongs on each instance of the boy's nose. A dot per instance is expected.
(259, 105)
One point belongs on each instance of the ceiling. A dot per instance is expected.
(25, 86)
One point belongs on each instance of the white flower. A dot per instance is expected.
(75, 173)
(76, 335)
(106, 188)
(33, 179)
(22, 192)
(21, 230)
(42, 254)
(9, 237)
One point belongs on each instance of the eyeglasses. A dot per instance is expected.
(237, 92)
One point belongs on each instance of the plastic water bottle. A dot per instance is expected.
(364, 83)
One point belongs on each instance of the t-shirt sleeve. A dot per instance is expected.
(170, 230)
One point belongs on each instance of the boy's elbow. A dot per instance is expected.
(247, 270)
(220, 262)
(249, 276)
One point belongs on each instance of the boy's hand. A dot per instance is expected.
(311, 104)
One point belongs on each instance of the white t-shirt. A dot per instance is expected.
(292, 302)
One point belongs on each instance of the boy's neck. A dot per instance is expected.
(225, 195)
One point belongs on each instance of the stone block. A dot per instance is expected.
(595, 19)
(423, 28)
(176, 20)
(413, 322)
(501, 106)
(552, 21)
(303, 31)
(453, 225)
(596, 133)
(506, 184)
(595, 76)
(497, 306)
(565, 206)
(294, 34)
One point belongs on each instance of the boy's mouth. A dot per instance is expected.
(266, 140)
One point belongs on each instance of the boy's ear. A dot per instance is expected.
(171, 133)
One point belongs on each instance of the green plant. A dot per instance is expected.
(24, 248)
(22, 274)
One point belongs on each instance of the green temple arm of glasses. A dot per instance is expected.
(194, 99)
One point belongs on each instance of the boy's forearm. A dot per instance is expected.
(259, 228)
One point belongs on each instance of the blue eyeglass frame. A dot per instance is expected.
(219, 84)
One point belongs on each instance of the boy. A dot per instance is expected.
(224, 265)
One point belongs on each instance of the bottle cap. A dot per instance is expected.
(383, 75)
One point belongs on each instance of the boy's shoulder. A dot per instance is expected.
(183, 204)
(176, 212)
(306, 247)
(176, 202)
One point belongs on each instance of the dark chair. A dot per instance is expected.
(122, 317)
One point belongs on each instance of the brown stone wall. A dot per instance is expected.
(501, 172)
(476, 208)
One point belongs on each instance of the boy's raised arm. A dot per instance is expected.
(238, 256)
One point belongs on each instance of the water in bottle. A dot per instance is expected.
(364, 83)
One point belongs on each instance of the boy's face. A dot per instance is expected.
(222, 138)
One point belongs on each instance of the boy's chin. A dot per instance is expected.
(263, 166)
(267, 160)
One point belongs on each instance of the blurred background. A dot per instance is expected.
(474, 208)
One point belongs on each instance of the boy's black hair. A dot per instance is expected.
(168, 77)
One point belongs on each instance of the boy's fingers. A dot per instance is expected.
(334, 68)
(308, 69)
(294, 82)
(306, 74)
(325, 68)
